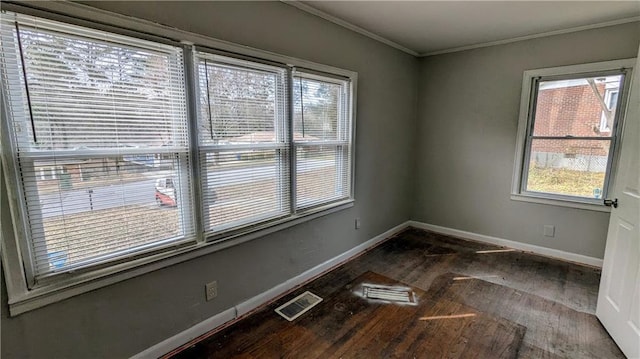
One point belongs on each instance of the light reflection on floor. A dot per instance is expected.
(453, 316)
(476, 277)
(495, 251)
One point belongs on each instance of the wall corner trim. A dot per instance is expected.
(545, 251)
(263, 298)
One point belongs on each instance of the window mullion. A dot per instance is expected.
(292, 148)
(198, 182)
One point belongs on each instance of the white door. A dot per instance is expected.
(619, 297)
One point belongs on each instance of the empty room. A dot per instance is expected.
(320, 179)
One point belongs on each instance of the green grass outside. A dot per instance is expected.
(563, 181)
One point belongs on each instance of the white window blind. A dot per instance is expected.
(107, 114)
(243, 139)
(321, 139)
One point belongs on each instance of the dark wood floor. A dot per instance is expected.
(472, 301)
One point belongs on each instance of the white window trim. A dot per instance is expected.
(239, 225)
(338, 143)
(524, 121)
(21, 298)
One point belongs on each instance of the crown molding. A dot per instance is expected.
(310, 9)
(533, 36)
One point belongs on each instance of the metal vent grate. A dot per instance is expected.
(391, 294)
(298, 306)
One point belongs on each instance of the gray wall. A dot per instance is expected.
(468, 117)
(128, 317)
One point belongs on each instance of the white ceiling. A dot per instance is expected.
(427, 27)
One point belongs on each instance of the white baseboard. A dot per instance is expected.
(217, 320)
(185, 336)
(550, 252)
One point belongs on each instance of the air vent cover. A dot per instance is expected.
(298, 306)
(387, 293)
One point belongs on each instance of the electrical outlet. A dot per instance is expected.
(549, 231)
(357, 223)
(211, 290)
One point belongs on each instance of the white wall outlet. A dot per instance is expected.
(357, 223)
(549, 231)
(211, 290)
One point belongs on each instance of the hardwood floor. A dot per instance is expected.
(472, 301)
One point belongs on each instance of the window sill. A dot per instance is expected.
(78, 283)
(586, 205)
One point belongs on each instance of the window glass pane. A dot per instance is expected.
(568, 167)
(89, 93)
(576, 107)
(243, 187)
(96, 207)
(323, 170)
(240, 105)
(322, 174)
(318, 110)
(243, 115)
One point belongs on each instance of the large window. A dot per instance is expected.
(95, 119)
(123, 152)
(244, 152)
(572, 119)
(321, 138)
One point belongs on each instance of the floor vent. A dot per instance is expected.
(298, 306)
(387, 293)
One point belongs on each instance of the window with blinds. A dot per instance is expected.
(109, 138)
(321, 139)
(98, 128)
(243, 142)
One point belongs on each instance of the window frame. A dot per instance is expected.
(28, 200)
(281, 148)
(528, 103)
(608, 94)
(337, 144)
(22, 297)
